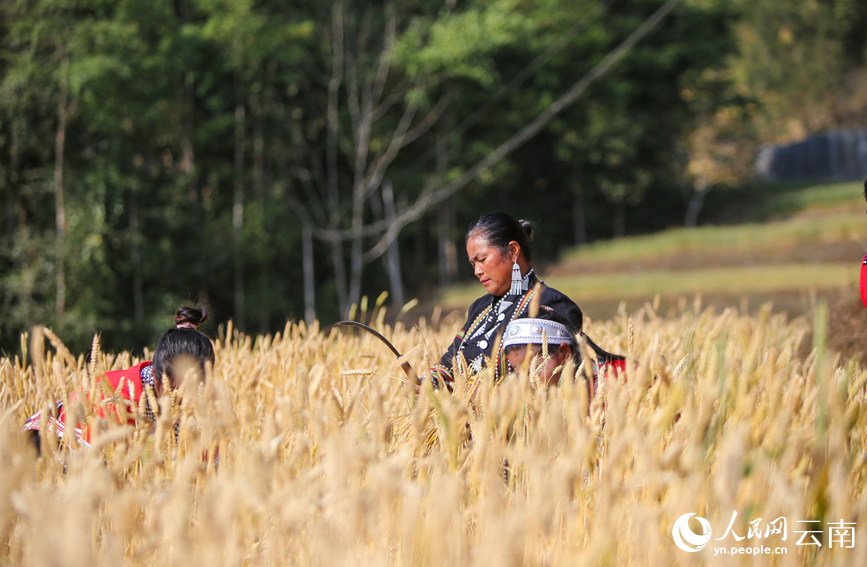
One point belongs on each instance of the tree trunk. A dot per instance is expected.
(393, 254)
(259, 192)
(448, 255)
(12, 179)
(620, 219)
(690, 220)
(258, 151)
(578, 219)
(339, 275)
(359, 186)
(309, 285)
(333, 130)
(10, 208)
(238, 209)
(188, 155)
(187, 94)
(448, 265)
(356, 260)
(59, 206)
(135, 257)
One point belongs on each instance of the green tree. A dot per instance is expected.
(56, 54)
(196, 134)
(804, 62)
(388, 73)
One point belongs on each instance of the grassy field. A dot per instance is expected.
(326, 458)
(745, 280)
(748, 240)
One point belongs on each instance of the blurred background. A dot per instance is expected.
(282, 160)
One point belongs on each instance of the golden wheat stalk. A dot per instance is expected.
(316, 465)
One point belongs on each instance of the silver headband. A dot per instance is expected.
(532, 331)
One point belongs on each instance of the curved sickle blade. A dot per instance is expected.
(410, 373)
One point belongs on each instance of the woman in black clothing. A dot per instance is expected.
(498, 248)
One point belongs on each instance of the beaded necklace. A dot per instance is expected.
(501, 368)
(492, 316)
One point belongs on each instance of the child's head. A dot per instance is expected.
(183, 343)
(525, 336)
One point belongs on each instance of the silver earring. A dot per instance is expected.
(516, 288)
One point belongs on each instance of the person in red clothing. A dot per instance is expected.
(864, 265)
(127, 389)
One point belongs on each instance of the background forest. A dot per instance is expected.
(282, 159)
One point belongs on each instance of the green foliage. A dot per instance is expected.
(180, 108)
(803, 61)
(457, 45)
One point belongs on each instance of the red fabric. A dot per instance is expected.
(864, 281)
(613, 369)
(618, 366)
(122, 412)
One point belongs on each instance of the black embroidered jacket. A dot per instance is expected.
(487, 319)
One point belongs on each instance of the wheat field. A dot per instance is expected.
(327, 457)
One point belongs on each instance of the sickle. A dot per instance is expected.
(410, 373)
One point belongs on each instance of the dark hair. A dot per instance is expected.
(184, 339)
(865, 189)
(498, 229)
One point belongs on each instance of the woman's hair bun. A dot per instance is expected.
(190, 317)
(528, 228)
(499, 229)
